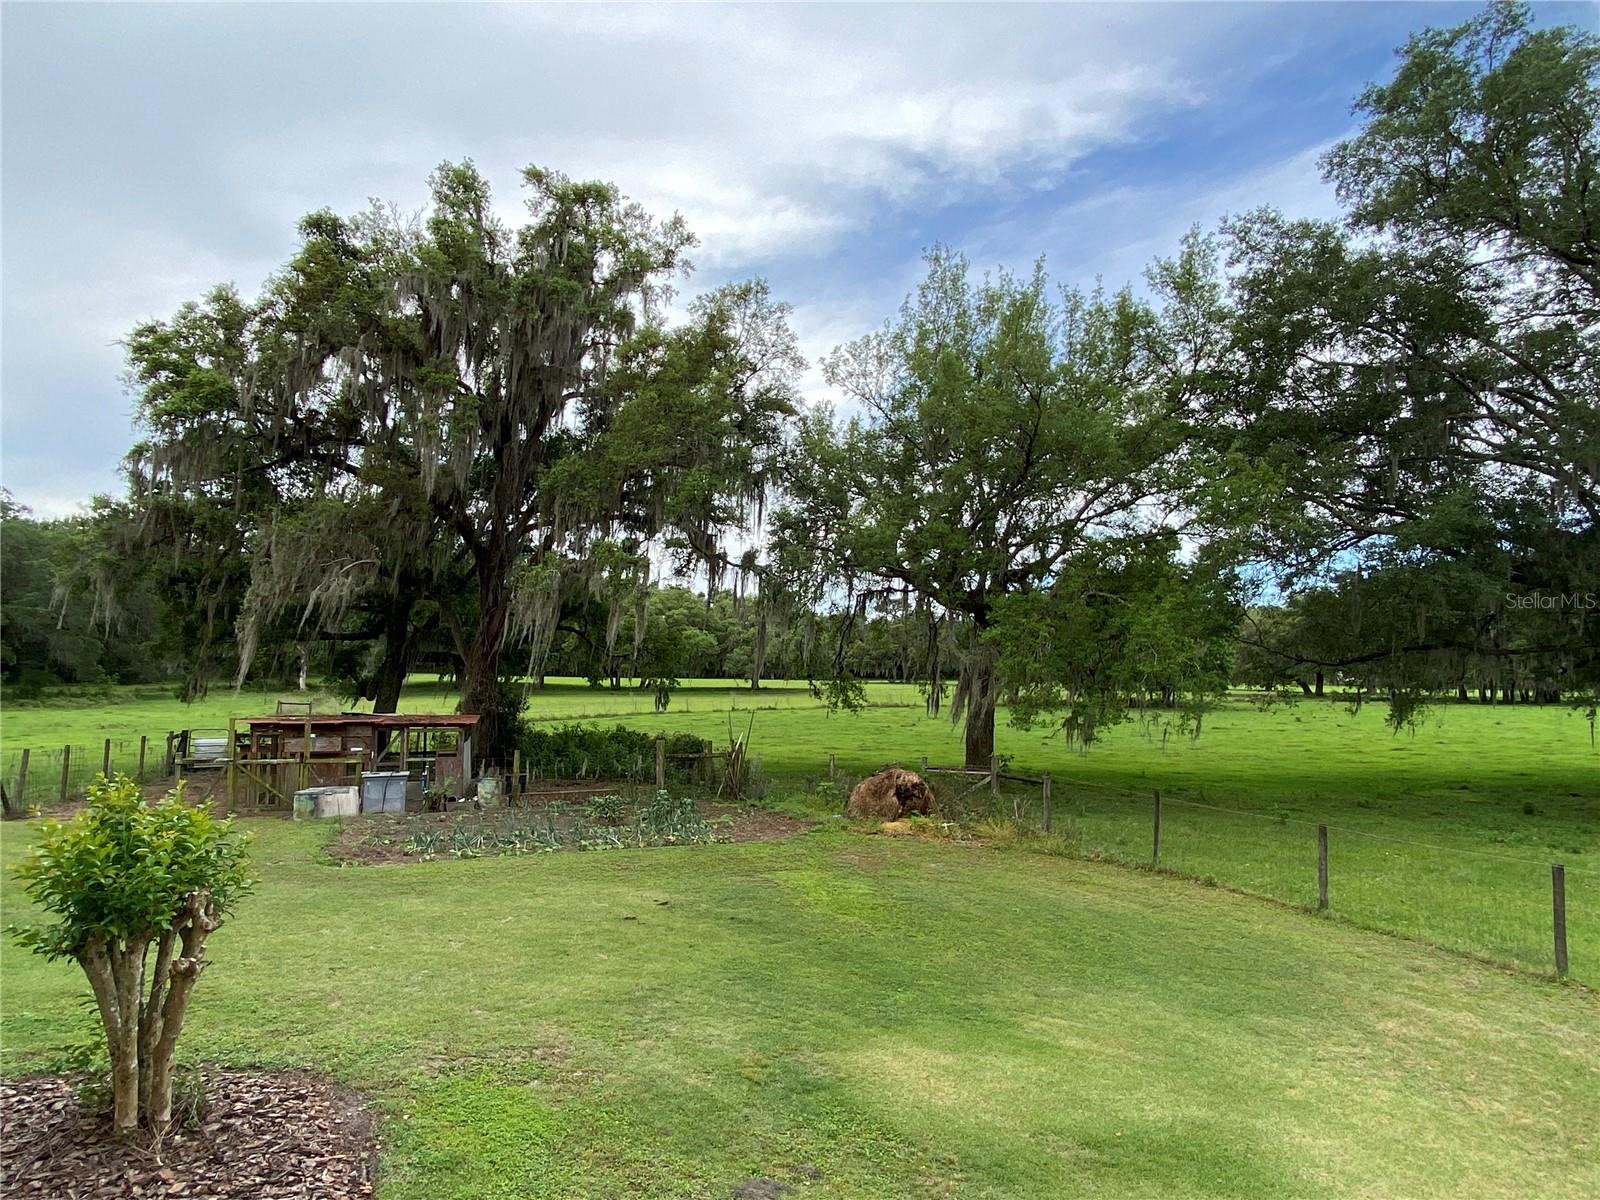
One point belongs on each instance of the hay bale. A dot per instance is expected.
(890, 794)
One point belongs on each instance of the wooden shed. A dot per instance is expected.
(273, 757)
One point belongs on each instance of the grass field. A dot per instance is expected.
(1445, 833)
(908, 1018)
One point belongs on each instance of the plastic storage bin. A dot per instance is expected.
(383, 791)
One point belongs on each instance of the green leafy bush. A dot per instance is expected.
(595, 752)
(120, 878)
(605, 810)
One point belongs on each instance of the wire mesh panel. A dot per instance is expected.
(62, 773)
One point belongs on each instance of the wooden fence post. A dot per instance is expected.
(170, 762)
(661, 763)
(105, 759)
(994, 774)
(66, 766)
(22, 780)
(1045, 786)
(924, 764)
(144, 744)
(516, 777)
(1558, 901)
(1155, 839)
(1322, 868)
(833, 767)
(233, 770)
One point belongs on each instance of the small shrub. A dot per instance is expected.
(589, 751)
(686, 743)
(829, 795)
(606, 810)
(121, 879)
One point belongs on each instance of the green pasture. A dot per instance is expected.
(867, 1017)
(1445, 832)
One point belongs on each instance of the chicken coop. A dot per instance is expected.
(271, 758)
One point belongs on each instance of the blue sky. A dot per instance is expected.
(152, 151)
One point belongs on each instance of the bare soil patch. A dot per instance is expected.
(262, 1136)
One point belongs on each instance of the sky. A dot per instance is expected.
(149, 152)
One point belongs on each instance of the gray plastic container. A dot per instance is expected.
(383, 791)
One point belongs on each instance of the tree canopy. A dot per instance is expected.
(1010, 447)
(1424, 378)
(457, 424)
(479, 443)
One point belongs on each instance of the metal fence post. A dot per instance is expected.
(1155, 838)
(1045, 788)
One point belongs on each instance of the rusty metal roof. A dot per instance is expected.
(381, 720)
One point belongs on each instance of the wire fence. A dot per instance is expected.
(38, 777)
(1519, 909)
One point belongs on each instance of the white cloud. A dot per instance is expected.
(152, 152)
(774, 131)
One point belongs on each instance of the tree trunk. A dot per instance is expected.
(980, 740)
(758, 652)
(1305, 688)
(106, 981)
(127, 973)
(398, 650)
(196, 925)
(1319, 683)
(980, 714)
(480, 685)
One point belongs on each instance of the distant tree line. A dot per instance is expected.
(49, 635)
(1364, 451)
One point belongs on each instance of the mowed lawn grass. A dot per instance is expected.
(898, 1018)
(1445, 832)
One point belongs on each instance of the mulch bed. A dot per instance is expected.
(278, 1136)
(361, 839)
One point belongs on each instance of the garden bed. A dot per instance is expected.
(275, 1136)
(556, 826)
